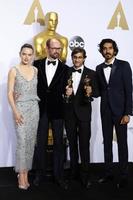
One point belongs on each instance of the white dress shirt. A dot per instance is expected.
(50, 70)
(107, 71)
(76, 76)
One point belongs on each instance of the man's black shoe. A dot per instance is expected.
(61, 183)
(86, 183)
(106, 179)
(123, 183)
(38, 179)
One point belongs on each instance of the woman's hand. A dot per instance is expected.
(18, 118)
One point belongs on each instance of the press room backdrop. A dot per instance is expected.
(84, 23)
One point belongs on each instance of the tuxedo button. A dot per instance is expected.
(48, 91)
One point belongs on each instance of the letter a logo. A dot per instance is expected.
(35, 14)
(118, 19)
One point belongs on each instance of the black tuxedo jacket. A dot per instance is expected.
(78, 105)
(51, 100)
(118, 92)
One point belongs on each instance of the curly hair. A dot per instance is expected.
(108, 40)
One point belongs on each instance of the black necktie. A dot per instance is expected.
(110, 65)
(51, 62)
(76, 70)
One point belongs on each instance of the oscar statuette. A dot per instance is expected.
(69, 84)
(87, 82)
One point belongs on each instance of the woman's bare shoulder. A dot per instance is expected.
(36, 70)
(12, 71)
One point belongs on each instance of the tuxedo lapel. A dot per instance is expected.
(81, 83)
(43, 71)
(103, 75)
(114, 66)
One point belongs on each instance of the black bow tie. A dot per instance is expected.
(51, 62)
(76, 70)
(110, 65)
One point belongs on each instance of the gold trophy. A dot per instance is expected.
(51, 22)
(69, 84)
(87, 82)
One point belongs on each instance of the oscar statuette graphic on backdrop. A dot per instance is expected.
(118, 20)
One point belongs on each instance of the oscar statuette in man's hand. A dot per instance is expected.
(69, 90)
(88, 89)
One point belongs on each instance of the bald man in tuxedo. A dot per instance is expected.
(51, 75)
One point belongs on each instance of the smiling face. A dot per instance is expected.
(108, 52)
(78, 60)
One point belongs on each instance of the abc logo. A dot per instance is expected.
(76, 41)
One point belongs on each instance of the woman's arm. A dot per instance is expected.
(11, 97)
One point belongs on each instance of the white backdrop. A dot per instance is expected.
(88, 19)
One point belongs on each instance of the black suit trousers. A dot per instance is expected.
(108, 122)
(40, 156)
(78, 133)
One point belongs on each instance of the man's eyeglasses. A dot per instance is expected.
(78, 57)
(55, 48)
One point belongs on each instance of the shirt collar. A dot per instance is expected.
(48, 59)
(110, 62)
(82, 67)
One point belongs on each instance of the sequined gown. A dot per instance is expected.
(27, 104)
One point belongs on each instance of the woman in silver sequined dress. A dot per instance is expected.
(22, 95)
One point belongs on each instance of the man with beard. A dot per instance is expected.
(51, 75)
(115, 82)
